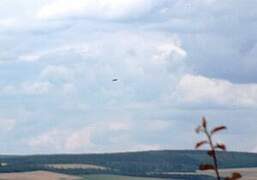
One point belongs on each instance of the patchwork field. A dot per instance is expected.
(112, 177)
(44, 175)
(247, 173)
(75, 166)
(37, 175)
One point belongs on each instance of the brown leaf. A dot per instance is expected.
(211, 153)
(236, 175)
(219, 128)
(227, 178)
(221, 146)
(205, 167)
(204, 122)
(199, 144)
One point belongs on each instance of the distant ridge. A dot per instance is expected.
(129, 163)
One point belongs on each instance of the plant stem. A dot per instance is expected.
(214, 153)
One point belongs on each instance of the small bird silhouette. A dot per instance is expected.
(115, 80)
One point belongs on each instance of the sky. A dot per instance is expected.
(175, 61)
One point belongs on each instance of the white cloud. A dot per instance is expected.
(51, 140)
(93, 62)
(144, 147)
(200, 89)
(169, 51)
(75, 60)
(119, 125)
(27, 88)
(52, 72)
(107, 9)
(254, 149)
(59, 140)
(36, 88)
(157, 125)
(81, 49)
(7, 23)
(79, 140)
(31, 57)
(7, 124)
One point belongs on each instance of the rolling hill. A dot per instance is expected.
(148, 163)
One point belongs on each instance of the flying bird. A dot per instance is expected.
(115, 80)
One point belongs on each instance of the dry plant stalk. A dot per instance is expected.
(214, 147)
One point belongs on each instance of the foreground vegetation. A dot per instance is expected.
(212, 152)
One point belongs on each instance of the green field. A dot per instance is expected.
(114, 177)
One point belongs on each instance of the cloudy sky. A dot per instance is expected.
(176, 60)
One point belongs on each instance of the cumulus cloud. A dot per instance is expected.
(108, 9)
(33, 57)
(143, 54)
(51, 140)
(7, 22)
(27, 88)
(119, 126)
(80, 49)
(79, 140)
(145, 147)
(7, 124)
(118, 137)
(195, 89)
(71, 50)
(169, 51)
(157, 125)
(36, 88)
(54, 72)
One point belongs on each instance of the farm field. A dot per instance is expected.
(247, 173)
(44, 175)
(114, 177)
(37, 175)
(75, 166)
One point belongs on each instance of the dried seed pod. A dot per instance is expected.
(200, 143)
(204, 122)
(205, 167)
(219, 128)
(220, 146)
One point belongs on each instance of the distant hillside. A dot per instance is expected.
(134, 163)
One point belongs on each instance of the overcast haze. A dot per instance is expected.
(175, 61)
